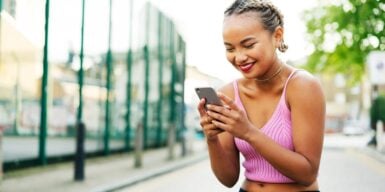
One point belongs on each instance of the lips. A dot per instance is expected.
(246, 67)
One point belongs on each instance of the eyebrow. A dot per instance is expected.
(247, 39)
(242, 42)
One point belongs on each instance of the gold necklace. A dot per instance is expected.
(269, 78)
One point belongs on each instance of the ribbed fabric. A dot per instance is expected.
(277, 128)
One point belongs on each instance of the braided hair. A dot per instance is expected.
(270, 15)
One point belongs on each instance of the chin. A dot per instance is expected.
(247, 75)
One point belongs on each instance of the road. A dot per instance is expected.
(342, 168)
(351, 170)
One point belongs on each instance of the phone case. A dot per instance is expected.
(209, 94)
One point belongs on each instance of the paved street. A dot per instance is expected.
(347, 165)
(344, 167)
(197, 177)
(351, 170)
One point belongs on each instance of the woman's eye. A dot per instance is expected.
(229, 49)
(250, 45)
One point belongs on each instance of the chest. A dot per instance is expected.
(261, 108)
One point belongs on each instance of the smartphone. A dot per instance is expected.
(209, 94)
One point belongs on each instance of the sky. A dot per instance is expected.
(200, 22)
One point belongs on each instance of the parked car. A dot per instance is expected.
(354, 127)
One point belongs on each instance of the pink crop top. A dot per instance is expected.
(278, 128)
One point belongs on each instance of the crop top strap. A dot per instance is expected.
(290, 76)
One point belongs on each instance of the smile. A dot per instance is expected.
(246, 68)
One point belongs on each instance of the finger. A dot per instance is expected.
(219, 109)
(201, 107)
(205, 120)
(222, 126)
(228, 101)
(211, 130)
(210, 127)
(209, 119)
(218, 117)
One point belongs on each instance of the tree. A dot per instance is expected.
(343, 34)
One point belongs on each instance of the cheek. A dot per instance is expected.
(230, 57)
(261, 53)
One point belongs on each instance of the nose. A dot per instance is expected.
(240, 57)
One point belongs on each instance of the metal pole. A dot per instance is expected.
(146, 78)
(80, 133)
(81, 70)
(108, 87)
(18, 99)
(79, 155)
(160, 80)
(172, 128)
(183, 111)
(129, 79)
(44, 92)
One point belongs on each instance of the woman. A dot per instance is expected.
(274, 115)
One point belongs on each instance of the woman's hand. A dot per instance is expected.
(209, 129)
(230, 118)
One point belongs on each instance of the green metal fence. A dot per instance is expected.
(113, 69)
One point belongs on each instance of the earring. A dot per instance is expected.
(282, 46)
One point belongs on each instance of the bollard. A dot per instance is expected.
(184, 143)
(138, 145)
(379, 135)
(171, 141)
(80, 153)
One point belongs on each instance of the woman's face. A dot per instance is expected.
(249, 47)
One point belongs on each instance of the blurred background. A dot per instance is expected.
(126, 71)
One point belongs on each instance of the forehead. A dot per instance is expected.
(242, 24)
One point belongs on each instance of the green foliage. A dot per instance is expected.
(377, 111)
(343, 34)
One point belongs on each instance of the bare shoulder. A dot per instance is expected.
(228, 90)
(303, 80)
(304, 86)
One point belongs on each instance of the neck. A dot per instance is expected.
(275, 74)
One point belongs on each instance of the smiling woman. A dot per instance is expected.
(273, 115)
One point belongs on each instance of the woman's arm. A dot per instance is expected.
(224, 157)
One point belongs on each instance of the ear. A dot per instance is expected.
(278, 36)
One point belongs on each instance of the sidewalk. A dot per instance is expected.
(358, 142)
(101, 174)
(117, 171)
(374, 153)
